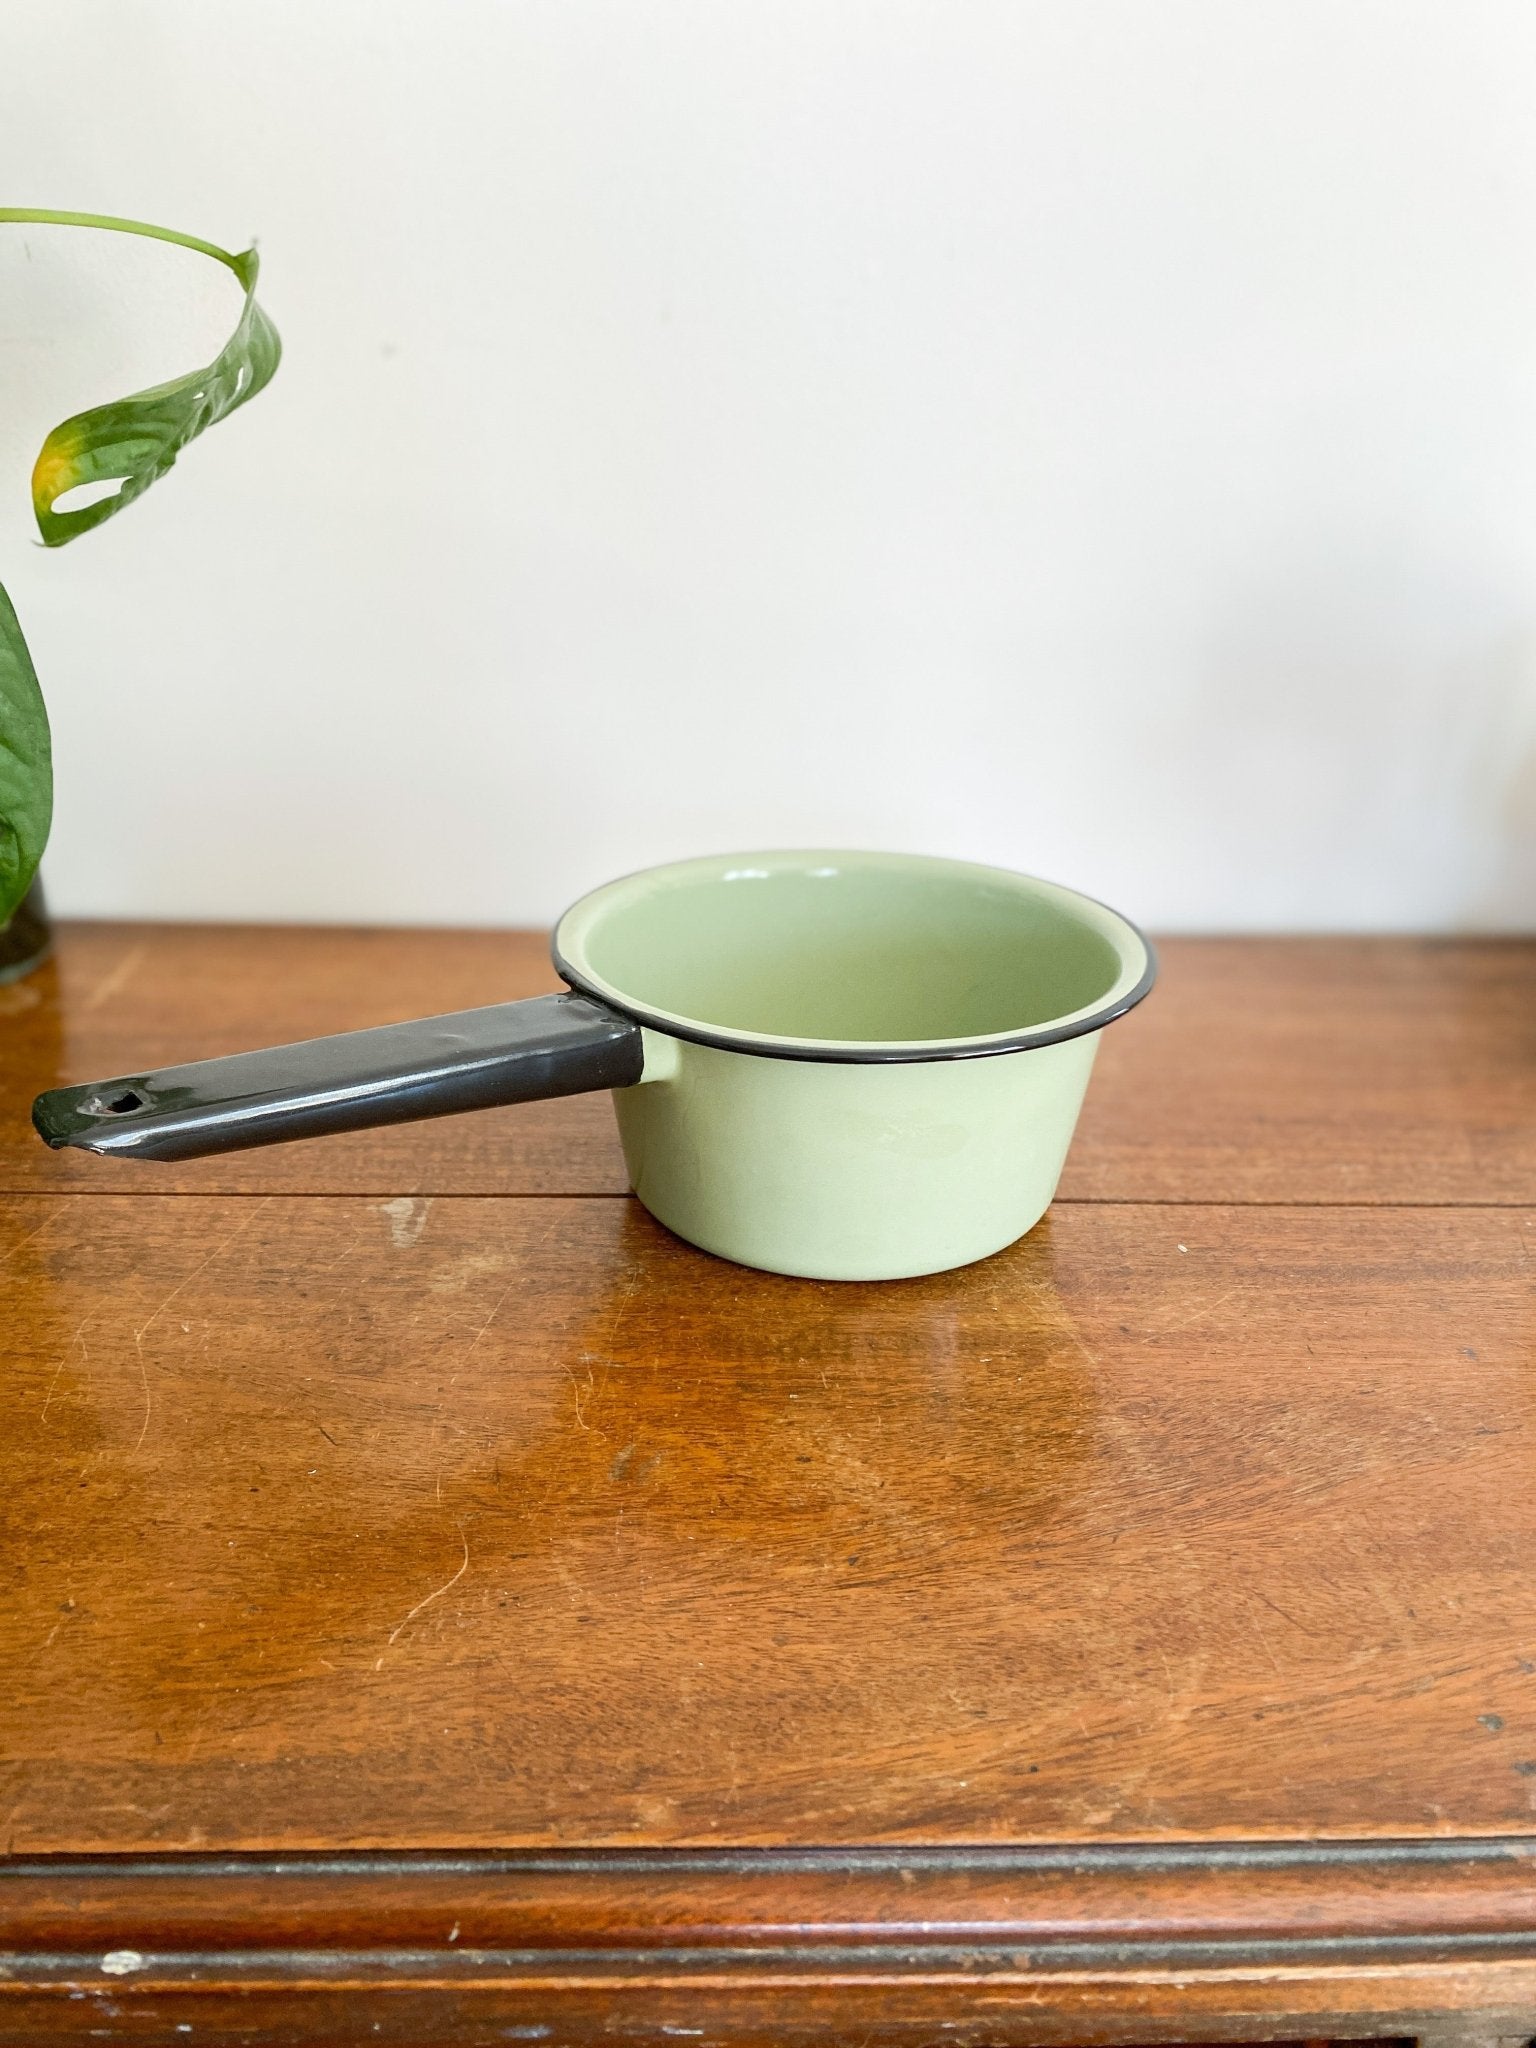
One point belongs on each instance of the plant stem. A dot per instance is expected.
(44, 217)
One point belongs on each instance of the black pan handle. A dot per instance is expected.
(437, 1066)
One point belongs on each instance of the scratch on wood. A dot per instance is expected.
(1203, 1314)
(441, 1590)
(78, 1338)
(51, 1218)
(495, 1312)
(138, 1345)
(1275, 1608)
(342, 1256)
(118, 978)
(629, 1294)
(469, 1351)
(140, 1333)
(580, 1393)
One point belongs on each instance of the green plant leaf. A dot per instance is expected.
(134, 441)
(129, 445)
(26, 765)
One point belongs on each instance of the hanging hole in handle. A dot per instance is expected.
(116, 1105)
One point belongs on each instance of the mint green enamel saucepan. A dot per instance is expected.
(851, 1066)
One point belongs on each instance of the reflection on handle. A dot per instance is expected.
(437, 1066)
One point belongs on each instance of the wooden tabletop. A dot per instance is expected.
(419, 1562)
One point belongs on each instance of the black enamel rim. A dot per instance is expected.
(874, 1054)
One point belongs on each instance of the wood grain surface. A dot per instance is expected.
(1303, 1070)
(439, 1605)
(481, 1523)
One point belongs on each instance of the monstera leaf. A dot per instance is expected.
(134, 442)
(118, 451)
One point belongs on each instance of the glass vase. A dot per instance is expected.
(27, 940)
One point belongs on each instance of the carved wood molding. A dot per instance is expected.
(1140, 1942)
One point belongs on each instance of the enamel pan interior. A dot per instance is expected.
(853, 957)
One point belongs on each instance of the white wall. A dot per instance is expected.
(1093, 435)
